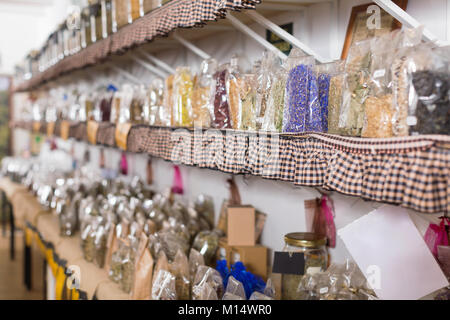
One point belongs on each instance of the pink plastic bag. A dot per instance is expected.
(123, 164)
(323, 223)
(436, 235)
(177, 186)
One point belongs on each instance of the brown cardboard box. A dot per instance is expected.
(253, 257)
(241, 226)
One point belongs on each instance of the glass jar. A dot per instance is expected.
(135, 10)
(86, 25)
(120, 15)
(316, 260)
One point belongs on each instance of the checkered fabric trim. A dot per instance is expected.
(157, 23)
(106, 134)
(412, 171)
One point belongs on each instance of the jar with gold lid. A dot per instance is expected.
(315, 253)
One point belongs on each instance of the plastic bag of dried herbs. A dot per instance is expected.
(195, 261)
(356, 88)
(432, 115)
(204, 205)
(154, 111)
(248, 103)
(297, 97)
(202, 107)
(221, 117)
(206, 275)
(88, 236)
(180, 269)
(163, 287)
(234, 83)
(125, 103)
(378, 116)
(403, 64)
(264, 81)
(206, 243)
(137, 104)
(234, 288)
(273, 117)
(183, 87)
(168, 118)
(335, 98)
(128, 263)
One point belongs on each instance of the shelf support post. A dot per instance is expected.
(126, 74)
(252, 34)
(148, 66)
(157, 61)
(199, 52)
(401, 15)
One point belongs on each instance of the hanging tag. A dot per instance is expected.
(149, 171)
(122, 130)
(92, 128)
(177, 186)
(289, 263)
(65, 128)
(123, 164)
(50, 128)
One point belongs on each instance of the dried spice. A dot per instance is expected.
(221, 118)
(273, 119)
(296, 100)
(334, 103)
(206, 242)
(356, 88)
(136, 10)
(324, 87)
(202, 94)
(183, 87)
(378, 117)
(100, 246)
(234, 84)
(148, 6)
(247, 96)
(180, 269)
(121, 13)
(168, 101)
(433, 107)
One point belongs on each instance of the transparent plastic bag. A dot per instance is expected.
(356, 88)
(137, 104)
(234, 83)
(259, 296)
(169, 119)
(125, 103)
(180, 269)
(171, 243)
(206, 243)
(221, 116)
(409, 58)
(195, 261)
(248, 103)
(265, 79)
(204, 205)
(206, 275)
(163, 287)
(100, 245)
(183, 87)
(432, 110)
(297, 97)
(335, 98)
(206, 292)
(235, 288)
(202, 94)
(273, 118)
(157, 114)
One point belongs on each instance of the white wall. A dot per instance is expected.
(281, 201)
(24, 27)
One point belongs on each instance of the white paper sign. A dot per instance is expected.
(387, 241)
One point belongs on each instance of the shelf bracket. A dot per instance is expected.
(126, 74)
(148, 66)
(157, 61)
(258, 18)
(406, 20)
(252, 34)
(199, 52)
